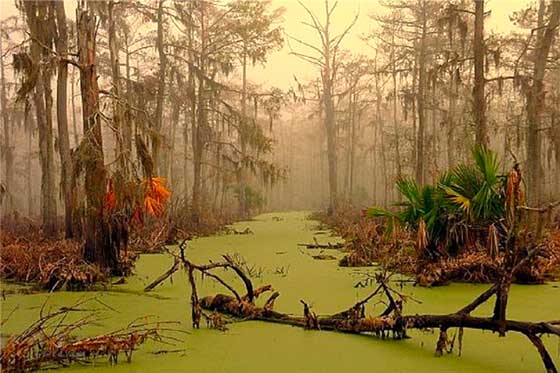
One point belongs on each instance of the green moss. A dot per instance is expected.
(256, 346)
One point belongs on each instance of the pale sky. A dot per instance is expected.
(282, 66)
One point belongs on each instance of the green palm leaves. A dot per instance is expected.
(477, 189)
(467, 195)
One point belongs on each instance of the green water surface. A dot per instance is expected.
(263, 347)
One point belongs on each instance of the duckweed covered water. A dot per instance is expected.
(264, 347)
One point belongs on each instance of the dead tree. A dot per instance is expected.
(326, 58)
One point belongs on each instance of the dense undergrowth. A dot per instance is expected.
(54, 263)
(367, 242)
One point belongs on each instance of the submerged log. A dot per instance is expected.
(229, 230)
(333, 246)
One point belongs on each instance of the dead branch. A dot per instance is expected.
(391, 322)
(50, 340)
(174, 268)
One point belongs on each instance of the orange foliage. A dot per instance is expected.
(155, 196)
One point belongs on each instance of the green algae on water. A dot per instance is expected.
(258, 346)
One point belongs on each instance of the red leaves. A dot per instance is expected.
(151, 199)
(156, 196)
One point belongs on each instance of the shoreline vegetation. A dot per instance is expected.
(455, 229)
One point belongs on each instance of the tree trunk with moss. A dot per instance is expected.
(37, 17)
(62, 117)
(535, 104)
(98, 247)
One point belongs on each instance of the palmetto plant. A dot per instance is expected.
(467, 198)
(478, 190)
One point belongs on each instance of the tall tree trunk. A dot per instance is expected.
(118, 117)
(8, 148)
(331, 146)
(479, 101)
(327, 76)
(452, 101)
(73, 102)
(186, 151)
(556, 137)
(98, 248)
(348, 146)
(535, 103)
(199, 129)
(127, 130)
(62, 117)
(379, 125)
(198, 151)
(434, 143)
(420, 164)
(414, 156)
(354, 124)
(175, 113)
(37, 16)
(156, 140)
(242, 182)
(29, 184)
(395, 119)
(51, 195)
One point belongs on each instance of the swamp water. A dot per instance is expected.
(252, 346)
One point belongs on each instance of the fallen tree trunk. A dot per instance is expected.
(224, 303)
(390, 322)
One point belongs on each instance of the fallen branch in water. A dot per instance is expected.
(317, 245)
(174, 268)
(390, 323)
(229, 230)
(49, 341)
